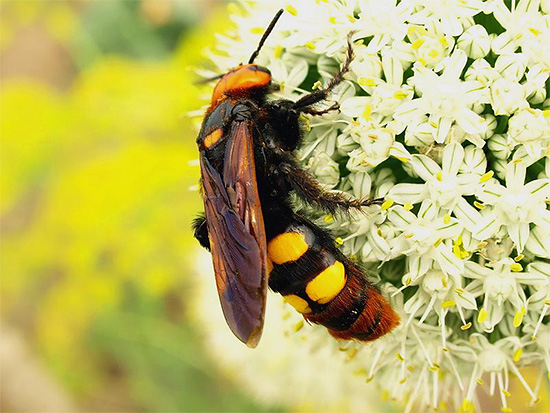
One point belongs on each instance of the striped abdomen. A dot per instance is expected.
(325, 286)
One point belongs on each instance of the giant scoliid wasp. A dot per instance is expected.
(248, 170)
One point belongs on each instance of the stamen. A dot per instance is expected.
(516, 267)
(485, 177)
(428, 309)
(537, 388)
(424, 351)
(416, 391)
(472, 384)
(482, 316)
(292, 10)
(443, 332)
(522, 380)
(374, 363)
(539, 322)
(518, 318)
(435, 389)
(463, 327)
(387, 204)
(455, 371)
(502, 396)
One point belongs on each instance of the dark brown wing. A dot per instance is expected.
(237, 235)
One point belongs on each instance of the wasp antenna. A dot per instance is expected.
(264, 37)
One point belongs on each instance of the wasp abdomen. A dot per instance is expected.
(326, 287)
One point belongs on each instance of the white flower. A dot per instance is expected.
(531, 128)
(444, 185)
(507, 96)
(375, 142)
(525, 27)
(481, 71)
(427, 45)
(449, 14)
(385, 20)
(496, 360)
(388, 95)
(440, 293)
(534, 86)
(445, 114)
(325, 169)
(515, 205)
(422, 240)
(511, 66)
(475, 42)
(445, 98)
(498, 284)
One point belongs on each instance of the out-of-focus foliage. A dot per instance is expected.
(96, 205)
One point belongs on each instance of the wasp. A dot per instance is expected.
(256, 238)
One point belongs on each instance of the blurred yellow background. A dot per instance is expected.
(96, 203)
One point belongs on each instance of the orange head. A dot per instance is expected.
(241, 81)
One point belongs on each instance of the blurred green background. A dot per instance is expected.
(96, 202)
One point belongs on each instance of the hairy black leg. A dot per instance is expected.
(301, 105)
(310, 190)
(315, 112)
(201, 231)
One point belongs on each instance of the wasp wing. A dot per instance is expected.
(237, 234)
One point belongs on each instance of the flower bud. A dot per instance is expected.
(499, 147)
(474, 161)
(512, 66)
(507, 96)
(475, 42)
(361, 183)
(325, 169)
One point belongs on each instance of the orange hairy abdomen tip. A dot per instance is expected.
(241, 80)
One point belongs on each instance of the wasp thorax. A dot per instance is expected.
(241, 81)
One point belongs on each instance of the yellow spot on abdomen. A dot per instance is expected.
(286, 247)
(298, 303)
(327, 284)
(212, 138)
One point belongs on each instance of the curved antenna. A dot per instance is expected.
(264, 37)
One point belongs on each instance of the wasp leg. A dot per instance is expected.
(308, 189)
(302, 104)
(201, 231)
(315, 112)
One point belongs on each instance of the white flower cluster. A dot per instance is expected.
(445, 115)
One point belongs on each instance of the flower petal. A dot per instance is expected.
(412, 193)
(453, 155)
(539, 242)
(418, 266)
(466, 214)
(400, 217)
(519, 232)
(515, 174)
(470, 121)
(450, 264)
(540, 188)
(476, 271)
(425, 167)
(491, 193)
(466, 300)
(393, 69)
(488, 226)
